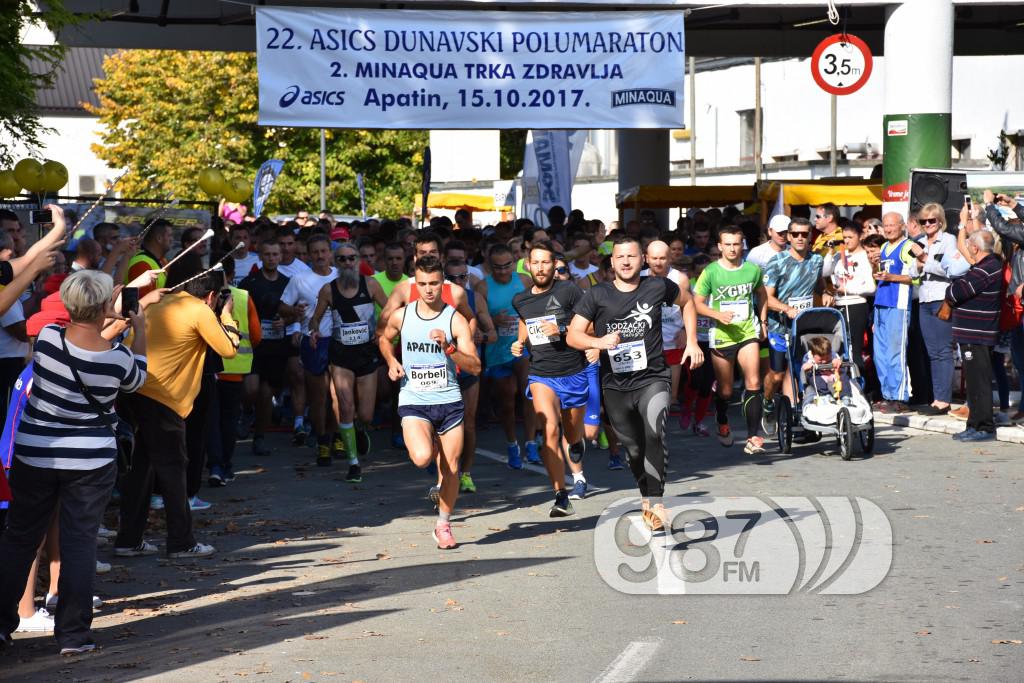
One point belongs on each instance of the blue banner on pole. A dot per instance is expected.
(265, 179)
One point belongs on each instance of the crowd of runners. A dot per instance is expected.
(584, 337)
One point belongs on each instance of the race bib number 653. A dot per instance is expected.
(628, 357)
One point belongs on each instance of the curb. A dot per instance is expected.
(945, 425)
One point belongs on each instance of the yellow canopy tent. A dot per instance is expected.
(460, 200)
(682, 196)
(839, 191)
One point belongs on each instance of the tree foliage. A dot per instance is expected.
(19, 115)
(512, 146)
(167, 115)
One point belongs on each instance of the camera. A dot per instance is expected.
(40, 216)
(222, 298)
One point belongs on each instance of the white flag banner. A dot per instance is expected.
(550, 162)
(354, 68)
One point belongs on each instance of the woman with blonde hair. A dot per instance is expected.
(938, 269)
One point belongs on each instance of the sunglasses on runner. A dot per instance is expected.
(501, 266)
(562, 271)
(927, 221)
(800, 235)
(464, 276)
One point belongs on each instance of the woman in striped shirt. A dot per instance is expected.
(66, 454)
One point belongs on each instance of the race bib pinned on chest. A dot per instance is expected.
(427, 377)
(740, 310)
(533, 328)
(628, 357)
(801, 303)
(268, 332)
(352, 334)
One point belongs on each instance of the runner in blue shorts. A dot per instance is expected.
(558, 383)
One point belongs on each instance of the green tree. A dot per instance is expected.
(19, 115)
(167, 115)
(512, 146)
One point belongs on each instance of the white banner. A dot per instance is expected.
(549, 169)
(351, 68)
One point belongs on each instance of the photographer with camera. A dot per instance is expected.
(180, 329)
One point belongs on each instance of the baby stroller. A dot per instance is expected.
(824, 412)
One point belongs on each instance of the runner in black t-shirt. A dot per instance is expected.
(557, 383)
(270, 357)
(626, 314)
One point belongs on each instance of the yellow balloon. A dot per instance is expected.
(9, 186)
(55, 176)
(211, 181)
(237, 189)
(29, 174)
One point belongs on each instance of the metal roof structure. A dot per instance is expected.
(714, 28)
(74, 82)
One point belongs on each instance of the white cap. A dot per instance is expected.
(779, 223)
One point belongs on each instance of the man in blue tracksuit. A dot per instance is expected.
(896, 269)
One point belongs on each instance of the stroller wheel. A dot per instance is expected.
(867, 438)
(784, 422)
(845, 428)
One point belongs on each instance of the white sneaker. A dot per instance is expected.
(51, 602)
(196, 551)
(102, 567)
(40, 622)
(80, 650)
(104, 532)
(144, 548)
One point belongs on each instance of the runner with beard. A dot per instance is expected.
(434, 337)
(557, 382)
(626, 314)
(353, 354)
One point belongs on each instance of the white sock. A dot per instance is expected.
(578, 476)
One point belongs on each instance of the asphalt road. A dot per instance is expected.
(319, 580)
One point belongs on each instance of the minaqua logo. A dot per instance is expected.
(622, 98)
(746, 546)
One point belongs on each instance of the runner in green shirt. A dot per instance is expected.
(731, 293)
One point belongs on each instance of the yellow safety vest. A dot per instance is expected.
(144, 256)
(241, 364)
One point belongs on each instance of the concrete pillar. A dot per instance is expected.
(643, 160)
(917, 126)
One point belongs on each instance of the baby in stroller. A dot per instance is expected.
(834, 383)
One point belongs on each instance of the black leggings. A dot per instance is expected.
(857, 319)
(701, 379)
(638, 417)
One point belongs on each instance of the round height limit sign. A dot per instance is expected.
(841, 64)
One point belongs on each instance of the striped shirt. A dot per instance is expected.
(976, 298)
(59, 429)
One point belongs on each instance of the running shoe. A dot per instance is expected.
(532, 456)
(685, 416)
(259, 446)
(755, 445)
(40, 622)
(102, 567)
(602, 440)
(561, 507)
(768, 422)
(466, 484)
(355, 474)
(443, 536)
(323, 455)
(229, 474)
(725, 435)
(655, 518)
(700, 430)
(362, 443)
(434, 495)
(579, 490)
(615, 463)
(196, 551)
(143, 548)
(51, 602)
(196, 503)
(299, 434)
(156, 503)
(515, 460)
(104, 532)
(338, 447)
(216, 478)
(79, 650)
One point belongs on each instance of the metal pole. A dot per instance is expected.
(832, 155)
(323, 170)
(693, 120)
(757, 119)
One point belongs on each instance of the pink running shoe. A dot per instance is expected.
(685, 417)
(443, 536)
(700, 430)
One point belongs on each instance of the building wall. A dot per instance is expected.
(69, 144)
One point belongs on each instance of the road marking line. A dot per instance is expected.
(630, 662)
(526, 466)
